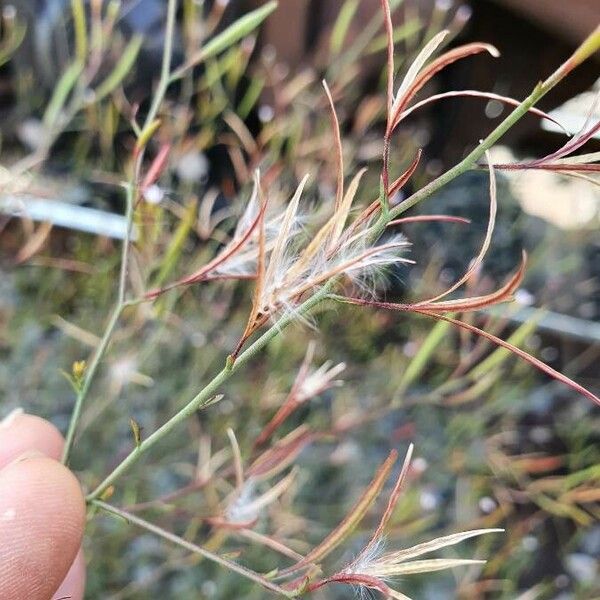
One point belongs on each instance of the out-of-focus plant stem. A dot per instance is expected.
(165, 74)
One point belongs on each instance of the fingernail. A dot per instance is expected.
(10, 417)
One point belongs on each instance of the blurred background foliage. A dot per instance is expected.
(497, 445)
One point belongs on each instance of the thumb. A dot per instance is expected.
(42, 515)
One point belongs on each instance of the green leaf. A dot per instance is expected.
(501, 354)
(137, 432)
(251, 97)
(401, 32)
(15, 34)
(61, 93)
(177, 244)
(419, 362)
(232, 34)
(342, 23)
(122, 68)
(81, 38)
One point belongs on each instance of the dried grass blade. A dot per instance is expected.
(237, 458)
(437, 544)
(343, 210)
(285, 232)
(395, 187)
(290, 403)
(538, 364)
(560, 167)
(477, 302)
(335, 124)
(229, 251)
(357, 579)
(573, 144)
(435, 67)
(272, 493)
(282, 454)
(426, 566)
(353, 518)
(413, 73)
(429, 218)
(484, 248)
(401, 181)
(34, 244)
(391, 506)
(157, 167)
(477, 94)
(256, 318)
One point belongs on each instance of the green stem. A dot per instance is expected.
(204, 396)
(165, 74)
(207, 554)
(477, 154)
(163, 85)
(108, 332)
(207, 393)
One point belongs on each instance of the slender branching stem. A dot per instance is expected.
(131, 198)
(108, 332)
(476, 154)
(165, 74)
(207, 554)
(206, 394)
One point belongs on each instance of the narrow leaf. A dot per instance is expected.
(391, 506)
(121, 70)
(484, 247)
(335, 125)
(437, 544)
(137, 432)
(413, 73)
(350, 522)
(343, 210)
(538, 364)
(477, 94)
(61, 93)
(285, 232)
(419, 362)
(232, 34)
(477, 302)
(422, 78)
(425, 566)
(429, 218)
(342, 23)
(81, 41)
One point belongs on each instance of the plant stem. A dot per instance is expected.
(475, 155)
(106, 337)
(207, 554)
(132, 187)
(165, 73)
(208, 392)
(205, 395)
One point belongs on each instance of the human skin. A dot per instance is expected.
(42, 514)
